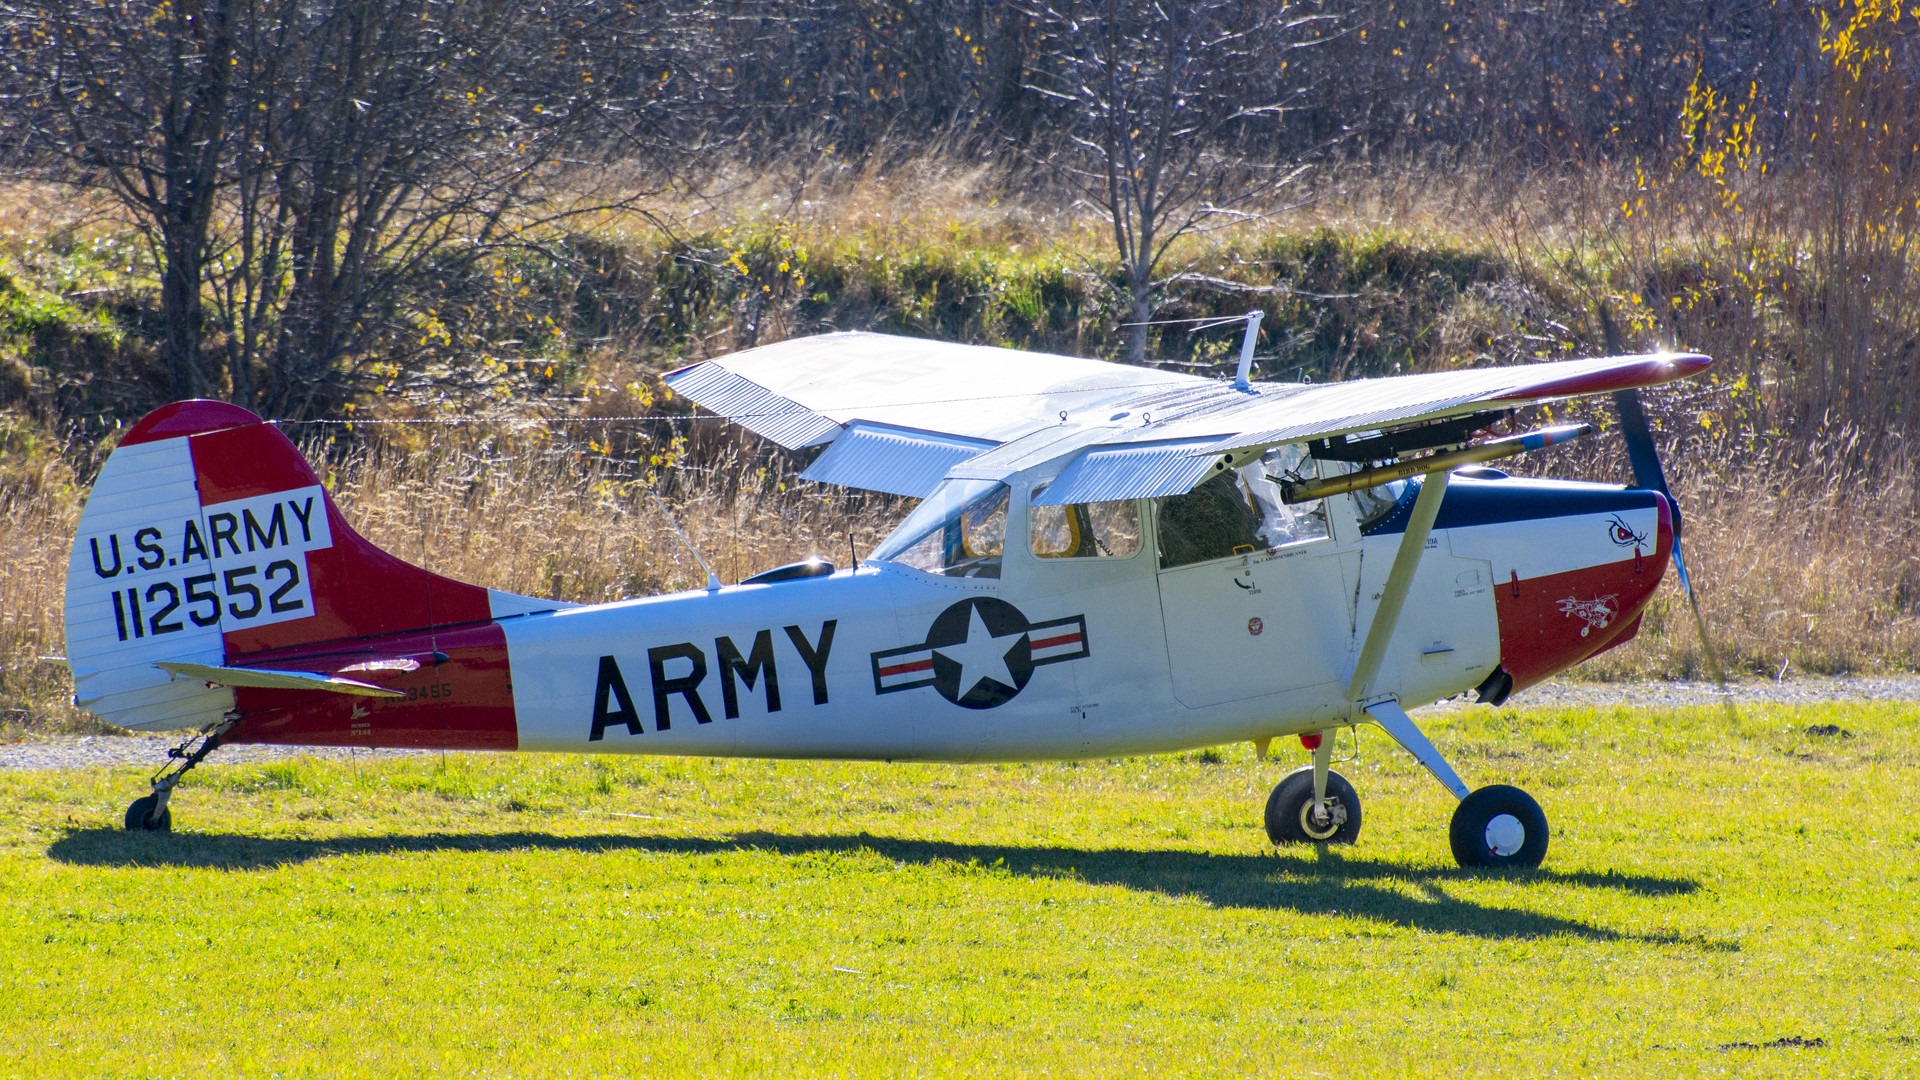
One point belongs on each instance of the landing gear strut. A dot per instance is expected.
(149, 813)
(1497, 826)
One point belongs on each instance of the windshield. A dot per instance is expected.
(958, 531)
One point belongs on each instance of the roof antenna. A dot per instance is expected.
(852, 551)
(713, 580)
(1240, 382)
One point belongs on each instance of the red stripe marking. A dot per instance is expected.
(902, 669)
(1064, 639)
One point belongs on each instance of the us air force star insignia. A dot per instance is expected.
(979, 653)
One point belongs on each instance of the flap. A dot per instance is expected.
(898, 461)
(753, 406)
(1109, 473)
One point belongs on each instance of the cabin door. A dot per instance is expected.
(1256, 598)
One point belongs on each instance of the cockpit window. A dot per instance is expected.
(958, 531)
(1099, 530)
(1283, 523)
(1240, 511)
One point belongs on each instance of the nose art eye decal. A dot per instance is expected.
(1623, 535)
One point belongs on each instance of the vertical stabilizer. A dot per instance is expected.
(207, 538)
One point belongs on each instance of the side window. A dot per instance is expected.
(1212, 521)
(1102, 530)
(1240, 511)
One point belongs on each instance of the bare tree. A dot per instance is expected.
(1159, 104)
(139, 97)
(328, 178)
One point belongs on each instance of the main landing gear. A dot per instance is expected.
(149, 813)
(1313, 804)
(1497, 827)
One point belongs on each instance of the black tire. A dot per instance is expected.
(142, 809)
(1289, 806)
(1499, 827)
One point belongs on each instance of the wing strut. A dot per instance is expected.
(1426, 507)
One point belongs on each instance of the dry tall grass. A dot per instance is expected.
(38, 513)
(1797, 574)
(552, 518)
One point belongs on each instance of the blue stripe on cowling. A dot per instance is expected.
(1491, 502)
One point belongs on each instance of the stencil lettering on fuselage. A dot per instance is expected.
(979, 653)
(237, 564)
(679, 670)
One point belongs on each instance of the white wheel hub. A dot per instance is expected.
(1321, 830)
(1505, 835)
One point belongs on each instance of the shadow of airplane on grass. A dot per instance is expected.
(1312, 882)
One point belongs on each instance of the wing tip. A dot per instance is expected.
(1628, 372)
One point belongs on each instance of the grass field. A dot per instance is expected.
(1721, 893)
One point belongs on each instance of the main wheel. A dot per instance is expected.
(142, 809)
(1290, 817)
(1499, 827)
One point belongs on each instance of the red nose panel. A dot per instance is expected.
(1552, 622)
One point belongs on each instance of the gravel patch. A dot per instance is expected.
(1805, 691)
(150, 751)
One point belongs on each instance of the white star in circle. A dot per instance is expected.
(981, 656)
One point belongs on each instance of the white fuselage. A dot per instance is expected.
(1104, 656)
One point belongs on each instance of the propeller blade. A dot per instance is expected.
(1641, 454)
(1648, 473)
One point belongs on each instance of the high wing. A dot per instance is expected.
(902, 413)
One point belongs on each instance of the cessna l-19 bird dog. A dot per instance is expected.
(1105, 560)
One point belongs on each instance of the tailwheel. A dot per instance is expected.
(1499, 827)
(1292, 817)
(142, 816)
(150, 813)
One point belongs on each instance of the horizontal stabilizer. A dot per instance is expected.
(276, 680)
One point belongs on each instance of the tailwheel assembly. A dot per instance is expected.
(1499, 827)
(150, 813)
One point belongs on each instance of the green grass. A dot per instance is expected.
(1712, 881)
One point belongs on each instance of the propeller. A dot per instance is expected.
(1648, 473)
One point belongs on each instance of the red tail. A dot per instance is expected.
(208, 541)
